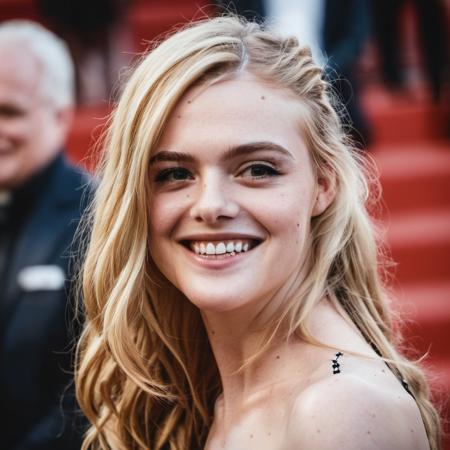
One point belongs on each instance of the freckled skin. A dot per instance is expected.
(219, 199)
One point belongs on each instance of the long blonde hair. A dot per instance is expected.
(146, 376)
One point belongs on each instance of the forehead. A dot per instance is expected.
(19, 73)
(232, 112)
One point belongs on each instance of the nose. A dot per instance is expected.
(214, 201)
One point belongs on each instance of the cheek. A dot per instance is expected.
(286, 214)
(166, 211)
(13, 129)
(160, 217)
(160, 224)
(165, 214)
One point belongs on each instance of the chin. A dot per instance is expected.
(220, 298)
(215, 301)
(9, 176)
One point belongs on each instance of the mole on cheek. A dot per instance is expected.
(262, 97)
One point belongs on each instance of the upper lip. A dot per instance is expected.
(207, 237)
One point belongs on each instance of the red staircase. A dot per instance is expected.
(413, 156)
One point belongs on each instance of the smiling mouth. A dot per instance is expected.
(221, 249)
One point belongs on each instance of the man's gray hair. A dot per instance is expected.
(52, 54)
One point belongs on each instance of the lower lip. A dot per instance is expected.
(216, 263)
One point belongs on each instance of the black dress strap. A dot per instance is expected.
(402, 380)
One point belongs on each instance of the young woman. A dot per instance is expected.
(231, 283)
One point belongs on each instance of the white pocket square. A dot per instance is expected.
(41, 278)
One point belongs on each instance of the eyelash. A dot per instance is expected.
(270, 171)
(165, 175)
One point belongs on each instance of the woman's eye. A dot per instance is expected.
(259, 171)
(173, 174)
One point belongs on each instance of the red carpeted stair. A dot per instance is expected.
(413, 157)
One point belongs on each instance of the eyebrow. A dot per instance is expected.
(234, 152)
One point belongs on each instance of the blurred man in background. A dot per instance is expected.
(40, 197)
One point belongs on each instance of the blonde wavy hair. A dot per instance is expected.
(146, 376)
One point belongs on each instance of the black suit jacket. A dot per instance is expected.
(36, 341)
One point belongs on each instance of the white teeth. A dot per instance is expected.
(220, 248)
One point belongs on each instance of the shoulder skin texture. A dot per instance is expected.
(347, 412)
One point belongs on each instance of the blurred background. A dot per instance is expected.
(389, 62)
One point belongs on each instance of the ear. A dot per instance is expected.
(64, 118)
(325, 193)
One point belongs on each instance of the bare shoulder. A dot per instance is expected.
(346, 411)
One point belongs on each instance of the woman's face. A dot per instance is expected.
(234, 191)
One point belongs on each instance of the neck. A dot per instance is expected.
(236, 338)
(284, 364)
